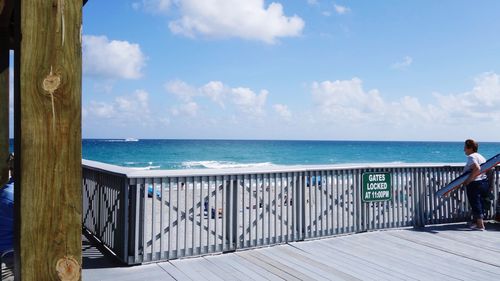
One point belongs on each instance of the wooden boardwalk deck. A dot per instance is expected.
(444, 252)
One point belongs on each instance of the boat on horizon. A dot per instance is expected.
(131, 139)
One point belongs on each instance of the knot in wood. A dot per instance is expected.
(68, 269)
(51, 83)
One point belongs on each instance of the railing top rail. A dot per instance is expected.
(134, 173)
(99, 166)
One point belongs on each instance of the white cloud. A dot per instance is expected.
(244, 99)
(216, 91)
(104, 86)
(283, 111)
(111, 59)
(153, 6)
(142, 98)
(248, 19)
(124, 103)
(345, 98)
(136, 104)
(189, 109)
(131, 107)
(312, 2)
(181, 89)
(346, 102)
(101, 109)
(487, 89)
(480, 104)
(406, 62)
(341, 10)
(249, 102)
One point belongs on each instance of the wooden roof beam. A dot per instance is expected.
(7, 22)
(7, 19)
(6, 7)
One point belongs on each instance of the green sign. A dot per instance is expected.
(376, 187)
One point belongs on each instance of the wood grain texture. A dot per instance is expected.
(50, 141)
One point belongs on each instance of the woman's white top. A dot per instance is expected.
(475, 158)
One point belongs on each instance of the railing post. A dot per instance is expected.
(360, 205)
(125, 219)
(423, 197)
(133, 229)
(300, 205)
(231, 218)
(99, 212)
(417, 197)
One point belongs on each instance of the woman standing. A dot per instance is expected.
(476, 184)
(7, 211)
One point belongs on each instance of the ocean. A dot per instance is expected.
(195, 154)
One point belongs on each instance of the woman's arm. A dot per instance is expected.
(475, 169)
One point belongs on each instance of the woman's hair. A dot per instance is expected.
(472, 144)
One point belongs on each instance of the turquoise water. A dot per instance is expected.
(186, 154)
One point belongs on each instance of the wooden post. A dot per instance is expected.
(48, 140)
(5, 16)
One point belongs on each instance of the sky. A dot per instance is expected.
(294, 69)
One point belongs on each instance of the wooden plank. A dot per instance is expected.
(488, 240)
(194, 270)
(409, 259)
(143, 272)
(224, 273)
(271, 265)
(224, 270)
(350, 265)
(48, 140)
(441, 261)
(359, 259)
(310, 271)
(452, 247)
(330, 265)
(5, 15)
(385, 262)
(186, 269)
(250, 269)
(173, 271)
(238, 271)
(301, 258)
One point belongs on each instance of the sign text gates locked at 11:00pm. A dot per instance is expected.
(376, 186)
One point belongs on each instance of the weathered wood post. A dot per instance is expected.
(5, 16)
(48, 73)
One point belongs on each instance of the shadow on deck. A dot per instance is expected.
(444, 252)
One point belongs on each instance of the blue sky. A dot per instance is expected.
(301, 69)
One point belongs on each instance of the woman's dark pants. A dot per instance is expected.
(476, 190)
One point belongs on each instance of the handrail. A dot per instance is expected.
(134, 173)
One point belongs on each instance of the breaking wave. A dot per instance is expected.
(222, 164)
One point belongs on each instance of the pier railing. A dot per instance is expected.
(145, 216)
